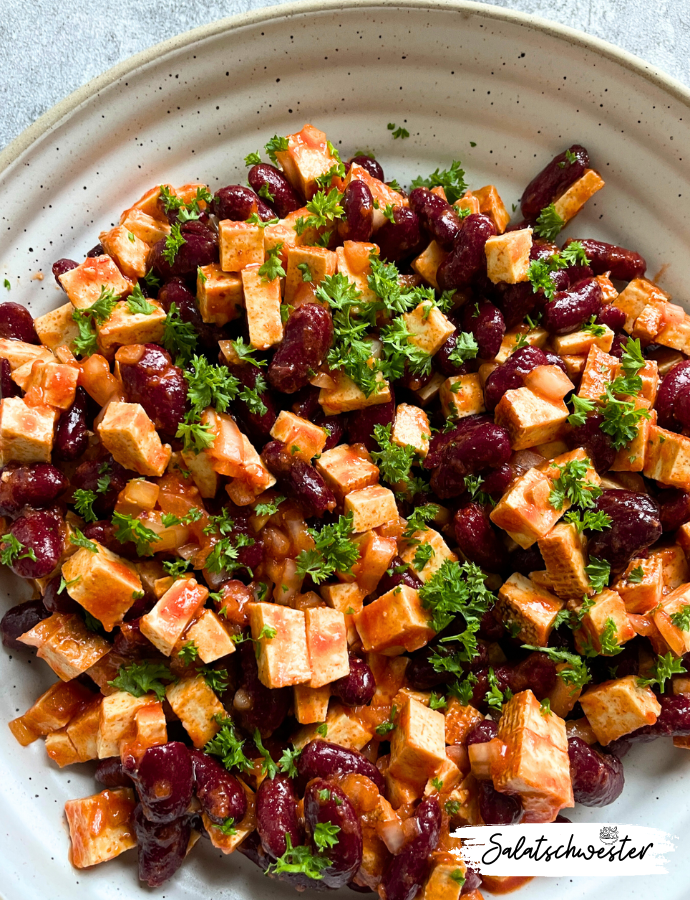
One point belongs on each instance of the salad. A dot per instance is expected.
(354, 515)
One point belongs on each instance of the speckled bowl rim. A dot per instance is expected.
(73, 101)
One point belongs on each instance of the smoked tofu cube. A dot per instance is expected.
(241, 244)
(346, 597)
(441, 553)
(381, 192)
(430, 390)
(677, 639)
(524, 510)
(26, 432)
(82, 731)
(579, 343)
(448, 775)
(19, 353)
(117, 720)
(460, 720)
(534, 609)
(262, 302)
(125, 327)
(644, 592)
(316, 263)
(461, 396)
(150, 730)
(52, 711)
(102, 582)
(303, 438)
(57, 328)
(429, 329)
(571, 202)
(165, 624)
(608, 608)
(675, 329)
(563, 552)
(631, 457)
(283, 659)
(197, 707)
(308, 156)
(203, 474)
(128, 433)
(411, 428)
(418, 743)
(347, 397)
(600, 370)
(219, 294)
(674, 567)
(615, 708)
(375, 556)
(491, 205)
(469, 202)
(128, 251)
(442, 883)
(371, 507)
(353, 261)
(507, 256)
(347, 468)
(61, 749)
(650, 381)
(427, 263)
(210, 636)
(530, 419)
(101, 827)
(144, 226)
(637, 294)
(326, 645)
(84, 284)
(563, 695)
(311, 704)
(394, 623)
(343, 727)
(66, 644)
(667, 459)
(52, 384)
(533, 337)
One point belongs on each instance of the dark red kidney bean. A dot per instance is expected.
(471, 451)
(388, 582)
(437, 216)
(674, 385)
(517, 301)
(442, 361)
(38, 531)
(496, 808)
(597, 777)
(262, 707)
(526, 561)
(158, 385)
(162, 847)
(482, 732)
(130, 641)
(175, 291)
(368, 163)
(467, 257)
(497, 480)
(537, 672)
(612, 316)
(442, 439)
(405, 873)
(87, 475)
(484, 321)
(621, 263)
(682, 408)
(7, 387)
(283, 199)
(220, 793)
(574, 274)
(110, 774)
(306, 340)
(358, 687)
(674, 508)
(597, 445)
(252, 848)
(238, 203)
(361, 424)
(479, 539)
(473, 881)
(420, 673)
(37, 484)
(572, 308)
(542, 249)
(98, 250)
(635, 525)
(491, 625)
(553, 180)
(17, 324)
(326, 803)
(61, 266)
(164, 781)
(71, 431)
(20, 619)
(200, 248)
(335, 429)
(276, 815)
(620, 341)
(103, 531)
(511, 374)
(673, 721)
(399, 238)
(58, 601)
(322, 759)
(298, 479)
(257, 424)
(358, 206)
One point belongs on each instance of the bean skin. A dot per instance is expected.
(109, 773)
(598, 777)
(306, 340)
(298, 479)
(570, 309)
(17, 324)
(621, 263)
(469, 451)
(326, 803)
(517, 301)
(7, 387)
(283, 199)
(276, 815)
(38, 531)
(497, 808)
(220, 793)
(358, 206)
(467, 257)
(71, 431)
(322, 759)
(674, 385)
(612, 316)
(674, 507)
(262, 707)
(401, 237)
(635, 525)
(258, 423)
(486, 323)
(37, 484)
(596, 443)
(361, 424)
(200, 248)
(437, 216)
(358, 687)
(479, 539)
(164, 781)
(238, 203)
(175, 291)
(20, 619)
(406, 872)
(150, 378)
(553, 180)
(162, 847)
(511, 373)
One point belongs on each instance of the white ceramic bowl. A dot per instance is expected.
(190, 109)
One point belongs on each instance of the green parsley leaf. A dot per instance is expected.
(268, 766)
(545, 707)
(394, 462)
(196, 437)
(177, 567)
(398, 132)
(287, 761)
(210, 385)
(681, 618)
(418, 518)
(608, 639)
(252, 159)
(324, 209)
(169, 519)
(138, 304)
(216, 679)
(437, 702)
(322, 729)
(437, 783)
(83, 504)
(265, 192)
(463, 690)
(577, 674)
(179, 338)
(590, 520)
(141, 678)
(636, 576)
(458, 876)
(12, 550)
(306, 272)
(456, 589)
(387, 726)
(389, 213)
(188, 652)
(66, 584)
(549, 223)
(246, 352)
(581, 407)
(325, 835)
(621, 419)
(228, 827)
(272, 268)
(6, 284)
(334, 551)
(451, 180)
(593, 328)
(151, 280)
(663, 669)
(127, 528)
(423, 554)
(452, 807)
(540, 270)
(228, 746)
(78, 539)
(299, 860)
(572, 485)
(632, 359)
(173, 242)
(270, 508)
(252, 396)
(599, 572)
(465, 348)
(276, 144)
(494, 697)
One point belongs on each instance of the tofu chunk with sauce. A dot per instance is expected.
(461, 396)
(637, 294)
(326, 645)
(210, 636)
(219, 294)
(607, 608)
(128, 251)
(411, 429)
(564, 554)
(395, 622)
(262, 303)
(165, 624)
(308, 156)
(380, 191)
(305, 439)
(643, 593)
(667, 459)
(26, 432)
(51, 384)
(427, 263)
(353, 261)
(197, 707)
(347, 397)
(54, 709)
(102, 583)
(347, 468)
(311, 704)
(429, 329)
(371, 507)
(677, 639)
(534, 609)
(57, 328)
(66, 644)
(524, 510)
(316, 263)
(491, 205)
(117, 720)
(101, 827)
(440, 553)
(508, 256)
(128, 433)
(569, 204)
(241, 245)
(282, 651)
(83, 285)
(617, 707)
(530, 419)
(418, 743)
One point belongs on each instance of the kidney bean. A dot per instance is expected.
(87, 475)
(612, 316)
(20, 619)
(276, 815)
(497, 808)
(553, 180)
(38, 531)
(7, 387)
(469, 451)
(17, 324)
(482, 732)
(467, 257)
(572, 308)
(284, 199)
(358, 687)
(510, 374)
(368, 163)
(497, 480)
(597, 777)
(673, 721)
(61, 266)
(437, 216)
(360, 424)
(388, 582)
(336, 809)
(572, 275)
(238, 203)
(491, 624)
(220, 793)
(473, 881)
(162, 847)
(674, 508)
(36, 484)
(71, 431)
(130, 641)
(98, 250)
(635, 525)
(58, 601)
(442, 361)
(358, 206)
(674, 385)
(537, 672)
(681, 408)
(420, 673)
(175, 291)
(517, 301)
(200, 248)
(263, 708)
(478, 538)
(150, 378)
(164, 781)
(620, 341)
(257, 423)
(597, 445)
(484, 321)
(298, 479)
(110, 774)
(322, 759)
(306, 341)
(335, 429)
(405, 873)
(621, 263)
(399, 238)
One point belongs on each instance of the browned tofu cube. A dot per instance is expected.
(674, 567)
(241, 244)
(429, 329)
(677, 639)
(66, 644)
(529, 418)
(128, 251)
(427, 263)
(637, 294)
(675, 329)
(311, 704)
(52, 711)
(210, 636)
(150, 731)
(411, 428)
(128, 433)
(316, 263)
(524, 510)
(203, 474)
(563, 695)
(101, 827)
(84, 284)
(579, 343)
(418, 744)
(596, 623)
(347, 598)
(347, 468)
(262, 302)
(371, 507)
(441, 553)
(307, 157)
(125, 327)
(303, 438)
(491, 205)
(459, 720)
(343, 727)
(197, 707)
(600, 370)
(347, 397)
(534, 609)
(569, 204)
(508, 256)
(519, 336)
(375, 556)
(643, 593)
(82, 731)
(26, 432)
(631, 458)
(668, 457)
(461, 396)
(102, 582)
(353, 261)
(443, 883)
(19, 353)
(219, 294)
(165, 624)
(395, 622)
(326, 645)
(57, 328)
(282, 653)
(117, 720)
(563, 552)
(52, 384)
(144, 226)
(615, 708)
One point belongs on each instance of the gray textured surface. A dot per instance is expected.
(48, 48)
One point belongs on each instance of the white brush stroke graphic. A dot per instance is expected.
(563, 849)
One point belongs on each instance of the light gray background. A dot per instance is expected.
(48, 48)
